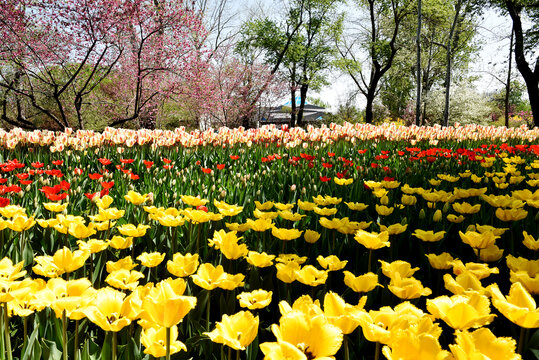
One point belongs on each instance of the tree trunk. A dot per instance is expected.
(449, 56)
(303, 95)
(508, 84)
(368, 107)
(531, 77)
(293, 106)
(418, 65)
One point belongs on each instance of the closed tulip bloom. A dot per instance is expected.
(324, 211)
(490, 254)
(408, 200)
(256, 299)
(429, 235)
(154, 339)
(440, 262)
(287, 273)
(383, 210)
(455, 219)
(107, 310)
(270, 215)
(305, 205)
(519, 306)
(331, 263)
(483, 344)
(166, 307)
(362, 283)
(183, 265)
(236, 331)
(284, 207)
(260, 260)
(286, 234)
(343, 182)
(290, 216)
(372, 241)
(462, 312)
(104, 202)
(326, 200)
(311, 236)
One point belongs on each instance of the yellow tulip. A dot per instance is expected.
(323, 211)
(466, 208)
(483, 344)
(154, 339)
(480, 270)
(125, 263)
(68, 261)
(183, 265)
(331, 263)
(362, 283)
(345, 316)
(120, 243)
(519, 306)
(511, 214)
(531, 267)
(265, 206)
(489, 254)
(429, 235)
(356, 206)
(124, 279)
(531, 283)
(311, 276)
(166, 307)
(407, 287)
(311, 236)
(107, 310)
(237, 227)
(288, 215)
(193, 200)
(455, 219)
(383, 210)
(407, 346)
(260, 225)
(286, 258)
(228, 244)
(265, 215)
(132, 230)
(21, 223)
(394, 229)
(70, 296)
(12, 211)
(10, 271)
(343, 182)
(287, 273)
(256, 299)
(305, 205)
(403, 268)
(286, 234)
(260, 260)
(463, 284)
(326, 200)
(530, 242)
(372, 241)
(284, 207)
(462, 312)
(55, 207)
(210, 277)
(227, 209)
(104, 202)
(151, 259)
(478, 240)
(236, 331)
(440, 262)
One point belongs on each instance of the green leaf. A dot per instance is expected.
(50, 351)
(30, 345)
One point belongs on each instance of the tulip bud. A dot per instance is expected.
(446, 207)
(258, 193)
(437, 216)
(384, 200)
(537, 216)
(470, 228)
(422, 214)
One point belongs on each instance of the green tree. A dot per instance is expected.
(302, 46)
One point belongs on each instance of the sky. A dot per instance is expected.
(493, 35)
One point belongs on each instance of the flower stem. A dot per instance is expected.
(167, 343)
(346, 349)
(370, 259)
(521, 340)
(76, 342)
(208, 312)
(6, 333)
(238, 354)
(377, 351)
(114, 344)
(64, 334)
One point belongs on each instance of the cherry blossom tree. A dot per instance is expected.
(63, 59)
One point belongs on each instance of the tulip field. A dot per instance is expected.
(340, 242)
